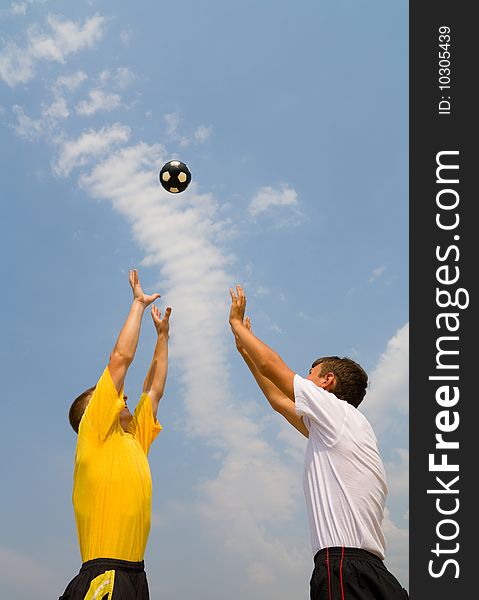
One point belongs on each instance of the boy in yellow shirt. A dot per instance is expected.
(112, 481)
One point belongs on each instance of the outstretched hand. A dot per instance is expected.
(138, 293)
(162, 325)
(238, 306)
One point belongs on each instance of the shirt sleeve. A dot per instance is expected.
(320, 409)
(144, 426)
(104, 407)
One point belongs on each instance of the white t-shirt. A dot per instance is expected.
(344, 480)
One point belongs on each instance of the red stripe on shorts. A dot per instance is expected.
(329, 573)
(341, 573)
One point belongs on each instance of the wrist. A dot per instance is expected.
(235, 323)
(137, 303)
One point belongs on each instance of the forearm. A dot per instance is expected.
(155, 380)
(270, 391)
(127, 341)
(278, 401)
(262, 355)
(267, 361)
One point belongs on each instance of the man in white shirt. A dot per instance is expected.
(344, 480)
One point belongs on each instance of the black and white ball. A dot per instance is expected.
(175, 176)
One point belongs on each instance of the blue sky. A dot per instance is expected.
(293, 120)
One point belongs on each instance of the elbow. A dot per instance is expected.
(121, 358)
(277, 407)
(158, 394)
(153, 395)
(267, 367)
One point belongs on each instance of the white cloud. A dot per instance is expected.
(121, 78)
(15, 9)
(67, 37)
(172, 121)
(125, 37)
(18, 64)
(46, 126)
(254, 491)
(91, 144)
(398, 474)
(18, 8)
(98, 100)
(201, 134)
(70, 82)
(26, 127)
(388, 396)
(261, 290)
(304, 316)
(259, 573)
(269, 197)
(397, 550)
(292, 442)
(57, 111)
(376, 274)
(386, 406)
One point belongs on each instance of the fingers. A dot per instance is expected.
(239, 296)
(133, 277)
(138, 293)
(156, 314)
(238, 305)
(247, 323)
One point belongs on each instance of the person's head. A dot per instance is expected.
(80, 403)
(342, 376)
(78, 407)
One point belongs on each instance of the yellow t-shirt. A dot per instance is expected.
(112, 479)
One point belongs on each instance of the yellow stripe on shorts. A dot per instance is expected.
(101, 587)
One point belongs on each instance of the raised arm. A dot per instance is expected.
(124, 350)
(155, 379)
(278, 401)
(267, 361)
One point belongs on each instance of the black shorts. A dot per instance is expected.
(353, 574)
(108, 579)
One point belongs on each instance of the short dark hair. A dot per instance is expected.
(78, 408)
(351, 378)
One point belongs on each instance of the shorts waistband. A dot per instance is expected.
(347, 553)
(113, 563)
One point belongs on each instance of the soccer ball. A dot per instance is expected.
(175, 176)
